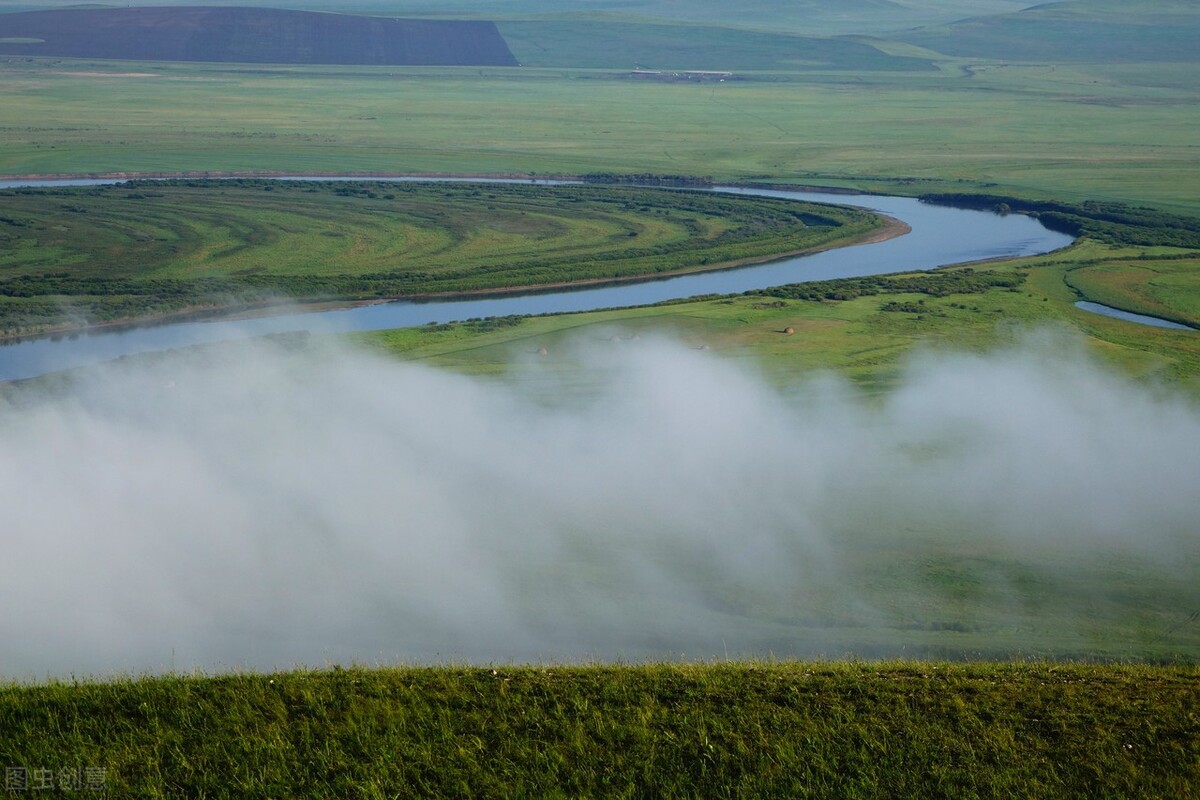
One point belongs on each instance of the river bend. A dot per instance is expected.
(939, 236)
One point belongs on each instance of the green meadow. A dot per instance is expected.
(866, 329)
(856, 730)
(143, 249)
(1106, 132)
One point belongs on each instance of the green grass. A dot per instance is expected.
(1120, 132)
(867, 337)
(1163, 288)
(890, 729)
(140, 249)
(1082, 30)
(607, 44)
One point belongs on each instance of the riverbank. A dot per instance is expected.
(297, 247)
(974, 235)
(243, 311)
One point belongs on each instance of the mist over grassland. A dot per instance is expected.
(252, 506)
(685, 507)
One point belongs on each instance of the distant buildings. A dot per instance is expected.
(693, 75)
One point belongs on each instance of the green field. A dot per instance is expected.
(723, 730)
(868, 337)
(625, 45)
(122, 252)
(1107, 132)
(1080, 31)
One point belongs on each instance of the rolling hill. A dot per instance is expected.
(1080, 31)
(623, 44)
(804, 17)
(251, 35)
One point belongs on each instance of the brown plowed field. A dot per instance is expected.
(251, 35)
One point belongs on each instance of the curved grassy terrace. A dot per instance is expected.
(147, 249)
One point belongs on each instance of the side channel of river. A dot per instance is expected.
(940, 236)
(1129, 316)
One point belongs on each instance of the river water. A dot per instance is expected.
(1129, 316)
(940, 236)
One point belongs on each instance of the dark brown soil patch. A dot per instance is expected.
(252, 36)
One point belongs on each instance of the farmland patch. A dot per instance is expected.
(252, 36)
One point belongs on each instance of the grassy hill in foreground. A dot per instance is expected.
(250, 36)
(721, 730)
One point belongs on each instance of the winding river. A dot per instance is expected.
(940, 236)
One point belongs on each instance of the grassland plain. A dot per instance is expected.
(865, 329)
(1114, 132)
(139, 249)
(889, 729)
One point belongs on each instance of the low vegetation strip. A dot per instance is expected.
(147, 248)
(933, 283)
(729, 730)
(251, 36)
(1114, 223)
